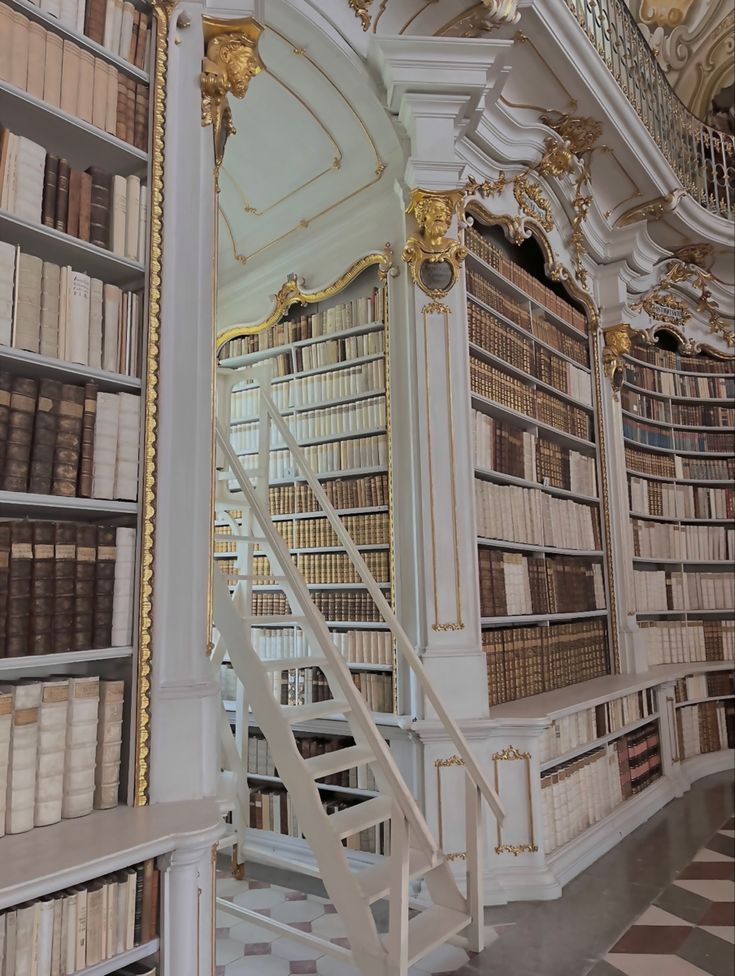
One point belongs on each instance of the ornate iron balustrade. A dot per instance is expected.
(703, 158)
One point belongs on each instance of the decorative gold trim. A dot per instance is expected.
(617, 344)
(511, 754)
(440, 764)
(516, 849)
(230, 63)
(162, 11)
(292, 293)
(391, 498)
(653, 209)
(361, 11)
(451, 761)
(434, 211)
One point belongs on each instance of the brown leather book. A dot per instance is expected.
(50, 174)
(68, 441)
(4, 571)
(122, 103)
(6, 383)
(62, 195)
(65, 554)
(140, 128)
(85, 206)
(94, 20)
(99, 207)
(42, 589)
(17, 625)
(141, 47)
(44, 437)
(75, 199)
(86, 460)
(84, 586)
(104, 585)
(129, 55)
(20, 433)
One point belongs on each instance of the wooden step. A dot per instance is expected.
(432, 928)
(375, 881)
(287, 663)
(339, 760)
(305, 713)
(353, 819)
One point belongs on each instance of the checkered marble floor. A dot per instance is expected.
(689, 930)
(245, 949)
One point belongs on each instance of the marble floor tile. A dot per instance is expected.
(726, 932)
(720, 913)
(637, 965)
(723, 844)
(227, 950)
(711, 954)
(291, 949)
(708, 855)
(259, 897)
(713, 870)
(297, 911)
(657, 939)
(258, 966)
(711, 890)
(684, 904)
(654, 915)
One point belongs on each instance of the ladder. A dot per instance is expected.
(414, 852)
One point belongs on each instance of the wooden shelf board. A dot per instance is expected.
(679, 520)
(526, 377)
(671, 479)
(348, 435)
(317, 370)
(525, 422)
(26, 503)
(667, 369)
(305, 408)
(35, 365)
(529, 547)
(234, 362)
(670, 425)
(677, 451)
(508, 479)
(652, 560)
(536, 618)
(671, 396)
(598, 743)
(702, 701)
(45, 661)
(124, 959)
(349, 790)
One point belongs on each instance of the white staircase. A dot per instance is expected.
(414, 852)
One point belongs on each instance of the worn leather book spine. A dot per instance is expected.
(86, 460)
(94, 20)
(140, 129)
(75, 191)
(42, 589)
(52, 718)
(6, 383)
(84, 586)
(100, 207)
(81, 747)
(68, 441)
(65, 551)
(20, 433)
(19, 589)
(44, 437)
(62, 195)
(50, 173)
(50, 295)
(85, 206)
(4, 574)
(22, 759)
(109, 744)
(104, 587)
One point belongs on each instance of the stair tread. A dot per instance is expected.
(286, 663)
(304, 713)
(359, 817)
(432, 928)
(339, 760)
(375, 881)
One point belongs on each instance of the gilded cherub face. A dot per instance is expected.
(434, 216)
(242, 64)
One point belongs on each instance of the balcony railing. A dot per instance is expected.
(703, 158)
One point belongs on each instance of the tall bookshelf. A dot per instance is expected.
(541, 552)
(72, 313)
(679, 433)
(329, 374)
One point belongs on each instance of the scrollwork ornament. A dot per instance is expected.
(617, 340)
(362, 11)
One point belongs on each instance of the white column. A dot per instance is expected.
(187, 911)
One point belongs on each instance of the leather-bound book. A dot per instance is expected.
(75, 194)
(99, 95)
(48, 208)
(65, 554)
(129, 55)
(122, 108)
(44, 437)
(104, 586)
(84, 585)
(140, 127)
(62, 195)
(20, 433)
(100, 207)
(85, 206)
(4, 573)
(81, 748)
(86, 461)
(109, 745)
(94, 20)
(68, 441)
(42, 589)
(6, 384)
(17, 628)
(52, 69)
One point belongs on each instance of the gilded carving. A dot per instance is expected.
(362, 11)
(701, 254)
(516, 849)
(433, 258)
(617, 344)
(230, 62)
(653, 209)
(510, 754)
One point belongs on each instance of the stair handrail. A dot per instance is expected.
(403, 643)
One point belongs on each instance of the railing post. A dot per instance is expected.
(398, 911)
(475, 932)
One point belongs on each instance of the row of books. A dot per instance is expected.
(512, 584)
(499, 446)
(569, 732)
(306, 390)
(300, 328)
(692, 469)
(497, 386)
(272, 809)
(330, 567)
(356, 454)
(677, 440)
(511, 347)
(313, 425)
(673, 590)
(683, 642)
(354, 605)
(65, 314)
(666, 359)
(694, 542)
(675, 385)
(680, 501)
(693, 686)
(355, 646)
(60, 742)
(587, 789)
(58, 71)
(69, 440)
(527, 515)
(370, 491)
(373, 528)
(108, 211)
(703, 728)
(80, 927)
(65, 586)
(701, 415)
(491, 254)
(261, 762)
(338, 353)
(523, 661)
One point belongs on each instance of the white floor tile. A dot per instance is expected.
(444, 959)
(654, 915)
(291, 949)
(329, 927)
(227, 950)
(726, 932)
(713, 889)
(644, 965)
(297, 911)
(707, 855)
(246, 932)
(258, 966)
(261, 898)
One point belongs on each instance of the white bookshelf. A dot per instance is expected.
(124, 959)
(36, 366)
(43, 662)
(524, 422)
(508, 479)
(60, 506)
